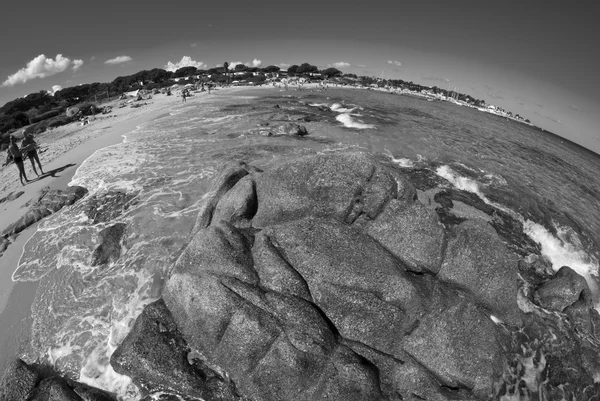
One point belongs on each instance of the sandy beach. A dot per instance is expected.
(62, 150)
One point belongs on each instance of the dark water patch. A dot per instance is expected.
(407, 111)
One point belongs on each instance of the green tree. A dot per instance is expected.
(225, 67)
(271, 69)
(292, 70)
(306, 68)
(240, 68)
(184, 72)
(331, 72)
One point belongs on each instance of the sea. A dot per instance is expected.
(164, 170)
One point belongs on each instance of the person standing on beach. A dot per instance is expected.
(15, 154)
(30, 146)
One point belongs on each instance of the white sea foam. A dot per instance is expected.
(349, 122)
(495, 319)
(562, 250)
(465, 167)
(406, 163)
(106, 378)
(95, 173)
(341, 109)
(461, 182)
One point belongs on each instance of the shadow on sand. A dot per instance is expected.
(52, 173)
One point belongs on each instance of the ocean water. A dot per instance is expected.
(164, 170)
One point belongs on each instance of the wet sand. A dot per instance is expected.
(67, 147)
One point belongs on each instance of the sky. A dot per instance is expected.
(536, 58)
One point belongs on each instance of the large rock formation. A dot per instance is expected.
(45, 204)
(324, 277)
(22, 382)
(155, 355)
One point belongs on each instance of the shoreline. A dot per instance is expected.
(16, 298)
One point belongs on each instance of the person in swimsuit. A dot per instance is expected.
(30, 144)
(15, 154)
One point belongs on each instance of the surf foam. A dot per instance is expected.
(460, 182)
(341, 109)
(559, 250)
(349, 122)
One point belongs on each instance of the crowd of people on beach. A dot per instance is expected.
(15, 154)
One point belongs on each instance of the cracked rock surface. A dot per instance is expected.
(323, 277)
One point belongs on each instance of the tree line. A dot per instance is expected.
(42, 105)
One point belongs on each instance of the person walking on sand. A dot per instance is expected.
(30, 146)
(15, 154)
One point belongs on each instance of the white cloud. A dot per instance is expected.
(92, 58)
(395, 62)
(194, 44)
(118, 60)
(41, 67)
(361, 65)
(77, 64)
(340, 64)
(55, 89)
(254, 63)
(232, 64)
(284, 65)
(186, 61)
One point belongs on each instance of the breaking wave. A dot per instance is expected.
(349, 122)
(561, 250)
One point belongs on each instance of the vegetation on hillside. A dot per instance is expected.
(41, 110)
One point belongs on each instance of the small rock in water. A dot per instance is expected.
(109, 249)
(563, 290)
(11, 196)
(292, 129)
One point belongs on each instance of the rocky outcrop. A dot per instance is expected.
(292, 129)
(22, 382)
(324, 277)
(306, 270)
(157, 358)
(421, 241)
(506, 226)
(478, 262)
(11, 196)
(44, 205)
(343, 187)
(109, 249)
(563, 290)
(18, 381)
